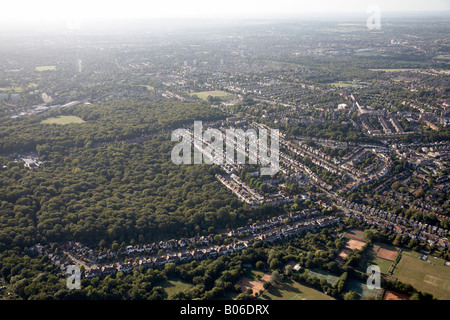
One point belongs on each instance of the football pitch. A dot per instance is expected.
(215, 94)
(432, 277)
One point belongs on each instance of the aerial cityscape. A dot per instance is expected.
(94, 207)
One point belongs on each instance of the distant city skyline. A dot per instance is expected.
(45, 10)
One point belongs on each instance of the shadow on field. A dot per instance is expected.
(286, 286)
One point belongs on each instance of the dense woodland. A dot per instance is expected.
(105, 122)
(120, 192)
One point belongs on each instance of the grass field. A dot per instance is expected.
(371, 258)
(292, 290)
(342, 84)
(371, 54)
(45, 68)
(220, 94)
(253, 274)
(15, 89)
(149, 88)
(63, 120)
(442, 57)
(394, 70)
(433, 277)
(174, 286)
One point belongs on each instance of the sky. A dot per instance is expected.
(45, 10)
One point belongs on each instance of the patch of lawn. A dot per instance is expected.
(432, 277)
(172, 287)
(45, 68)
(216, 94)
(292, 290)
(63, 120)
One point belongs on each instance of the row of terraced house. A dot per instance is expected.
(159, 261)
(433, 235)
(211, 252)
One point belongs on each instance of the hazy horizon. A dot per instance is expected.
(50, 16)
(53, 10)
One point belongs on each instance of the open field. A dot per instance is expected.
(15, 89)
(432, 277)
(174, 286)
(342, 84)
(401, 80)
(442, 57)
(45, 68)
(371, 258)
(292, 290)
(371, 53)
(149, 88)
(63, 120)
(256, 285)
(394, 70)
(216, 94)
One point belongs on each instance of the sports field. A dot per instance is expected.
(63, 120)
(342, 84)
(432, 277)
(371, 257)
(387, 254)
(215, 94)
(323, 275)
(292, 290)
(45, 68)
(362, 290)
(355, 234)
(391, 295)
(354, 244)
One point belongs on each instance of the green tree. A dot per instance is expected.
(275, 264)
(275, 277)
(351, 295)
